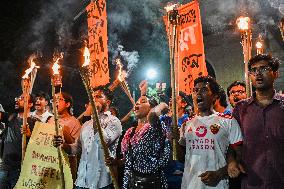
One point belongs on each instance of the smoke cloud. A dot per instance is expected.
(139, 25)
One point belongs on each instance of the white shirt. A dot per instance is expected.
(92, 171)
(43, 117)
(207, 140)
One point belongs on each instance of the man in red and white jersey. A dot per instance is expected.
(207, 137)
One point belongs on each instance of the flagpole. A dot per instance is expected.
(173, 20)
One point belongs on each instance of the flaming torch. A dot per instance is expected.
(27, 87)
(56, 82)
(259, 45)
(172, 22)
(121, 78)
(85, 75)
(246, 36)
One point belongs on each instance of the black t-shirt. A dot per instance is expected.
(12, 149)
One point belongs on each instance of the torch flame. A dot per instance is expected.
(243, 23)
(30, 69)
(171, 6)
(56, 66)
(121, 74)
(258, 45)
(87, 57)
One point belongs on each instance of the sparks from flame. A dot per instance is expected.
(31, 68)
(87, 57)
(171, 6)
(56, 66)
(243, 23)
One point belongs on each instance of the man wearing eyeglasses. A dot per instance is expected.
(11, 145)
(236, 92)
(70, 125)
(261, 118)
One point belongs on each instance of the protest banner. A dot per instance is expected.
(40, 169)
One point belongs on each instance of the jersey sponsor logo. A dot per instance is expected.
(201, 131)
(215, 128)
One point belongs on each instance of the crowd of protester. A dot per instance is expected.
(236, 145)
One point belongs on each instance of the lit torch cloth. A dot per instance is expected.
(150, 153)
(207, 140)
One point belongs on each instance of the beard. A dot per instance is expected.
(19, 109)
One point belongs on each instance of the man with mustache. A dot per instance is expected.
(92, 171)
(261, 118)
(11, 149)
(236, 92)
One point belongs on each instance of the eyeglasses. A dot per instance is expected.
(19, 98)
(237, 92)
(260, 70)
(60, 99)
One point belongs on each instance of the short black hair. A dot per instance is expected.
(105, 90)
(222, 97)
(43, 95)
(235, 83)
(68, 98)
(272, 62)
(214, 86)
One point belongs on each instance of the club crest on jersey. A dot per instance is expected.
(215, 128)
(201, 131)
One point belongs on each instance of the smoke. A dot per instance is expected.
(218, 15)
(132, 58)
(53, 23)
(138, 24)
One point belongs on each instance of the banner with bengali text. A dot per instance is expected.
(97, 32)
(40, 169)
(190, 56)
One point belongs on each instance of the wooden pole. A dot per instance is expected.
(59, 151)
(247, 46)
(26, 88)
(84, 72)
(173, 20)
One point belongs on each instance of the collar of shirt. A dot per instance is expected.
(108, 113)
(277, 97)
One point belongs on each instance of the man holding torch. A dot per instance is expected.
(11, 146)
(92, 171)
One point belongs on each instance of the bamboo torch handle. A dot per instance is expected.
(26, 86)
(96, 123)
(60, 156)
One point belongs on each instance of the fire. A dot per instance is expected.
(258, 45)
(31, 68)
(121, 73)
(243, 23)
(87, 57)
(56, 66)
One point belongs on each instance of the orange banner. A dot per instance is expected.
(190, 56)
(97, 32)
